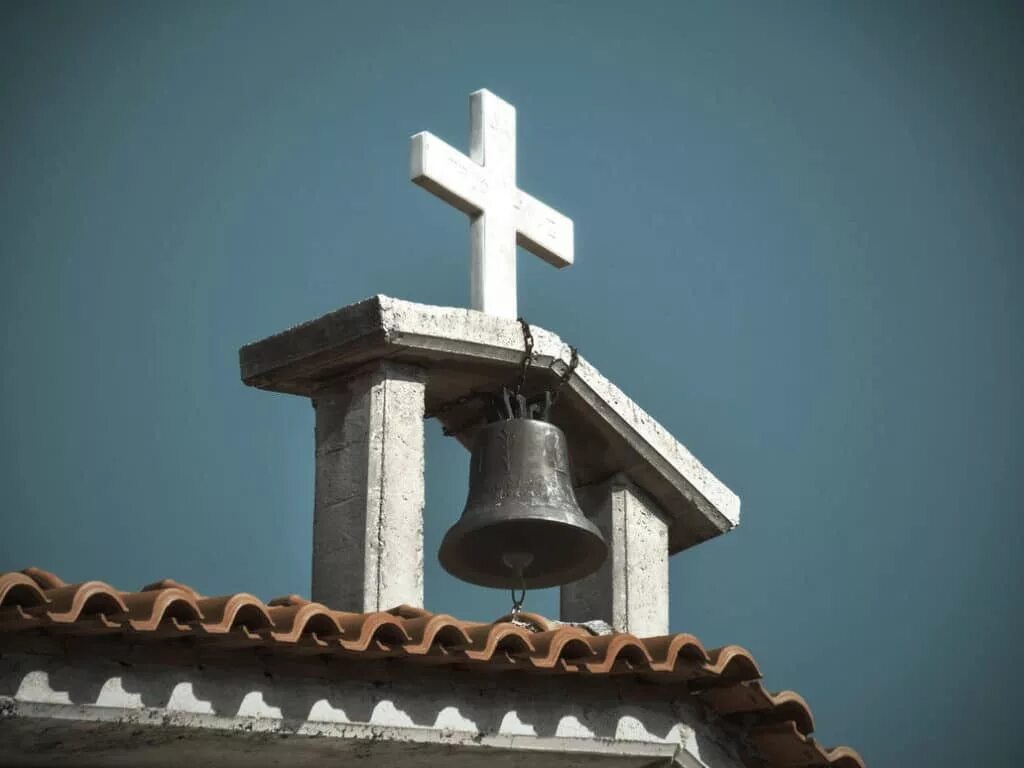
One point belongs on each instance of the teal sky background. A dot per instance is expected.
(799, 231)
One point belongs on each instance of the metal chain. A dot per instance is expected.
(517, 602)
(574, 360)
(527, 355)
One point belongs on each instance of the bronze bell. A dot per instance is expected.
(521, 514)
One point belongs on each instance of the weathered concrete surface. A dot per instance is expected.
(97, 712)
(463, 351)
(630, 590)
(368, 508)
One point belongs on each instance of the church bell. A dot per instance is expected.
(522, 526)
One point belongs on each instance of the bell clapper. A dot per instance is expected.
(518, 562)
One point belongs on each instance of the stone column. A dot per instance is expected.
(368, 509)
(630, 591)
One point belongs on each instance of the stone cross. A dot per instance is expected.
(502, 216)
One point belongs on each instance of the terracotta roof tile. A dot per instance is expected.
(726, 680)
(44, 579)
(784, 746)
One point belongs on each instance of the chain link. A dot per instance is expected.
(527, 355)
(574, 360)
(517, 602)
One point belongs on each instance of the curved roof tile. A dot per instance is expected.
(21, 590)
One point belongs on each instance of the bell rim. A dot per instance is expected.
(596, 554)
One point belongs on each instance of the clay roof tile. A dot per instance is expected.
(783, 745)
(172, 607)
(44, 579)
(21, 590)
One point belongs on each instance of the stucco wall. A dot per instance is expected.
(92, 711)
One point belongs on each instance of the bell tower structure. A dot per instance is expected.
(374, 370)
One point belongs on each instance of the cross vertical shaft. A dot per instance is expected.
(492, 233)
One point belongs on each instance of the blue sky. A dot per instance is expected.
(799, 233)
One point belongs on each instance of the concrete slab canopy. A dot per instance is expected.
(464, 351)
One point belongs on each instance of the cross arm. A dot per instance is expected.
(443, 170)
(543, 231)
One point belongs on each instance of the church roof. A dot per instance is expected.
(41, 613)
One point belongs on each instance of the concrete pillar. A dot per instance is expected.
(630, 591)
(368, 510)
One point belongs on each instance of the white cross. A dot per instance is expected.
(501, 215)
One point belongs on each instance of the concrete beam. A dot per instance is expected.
(368, 508)
(464, 351)
(630, 590)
